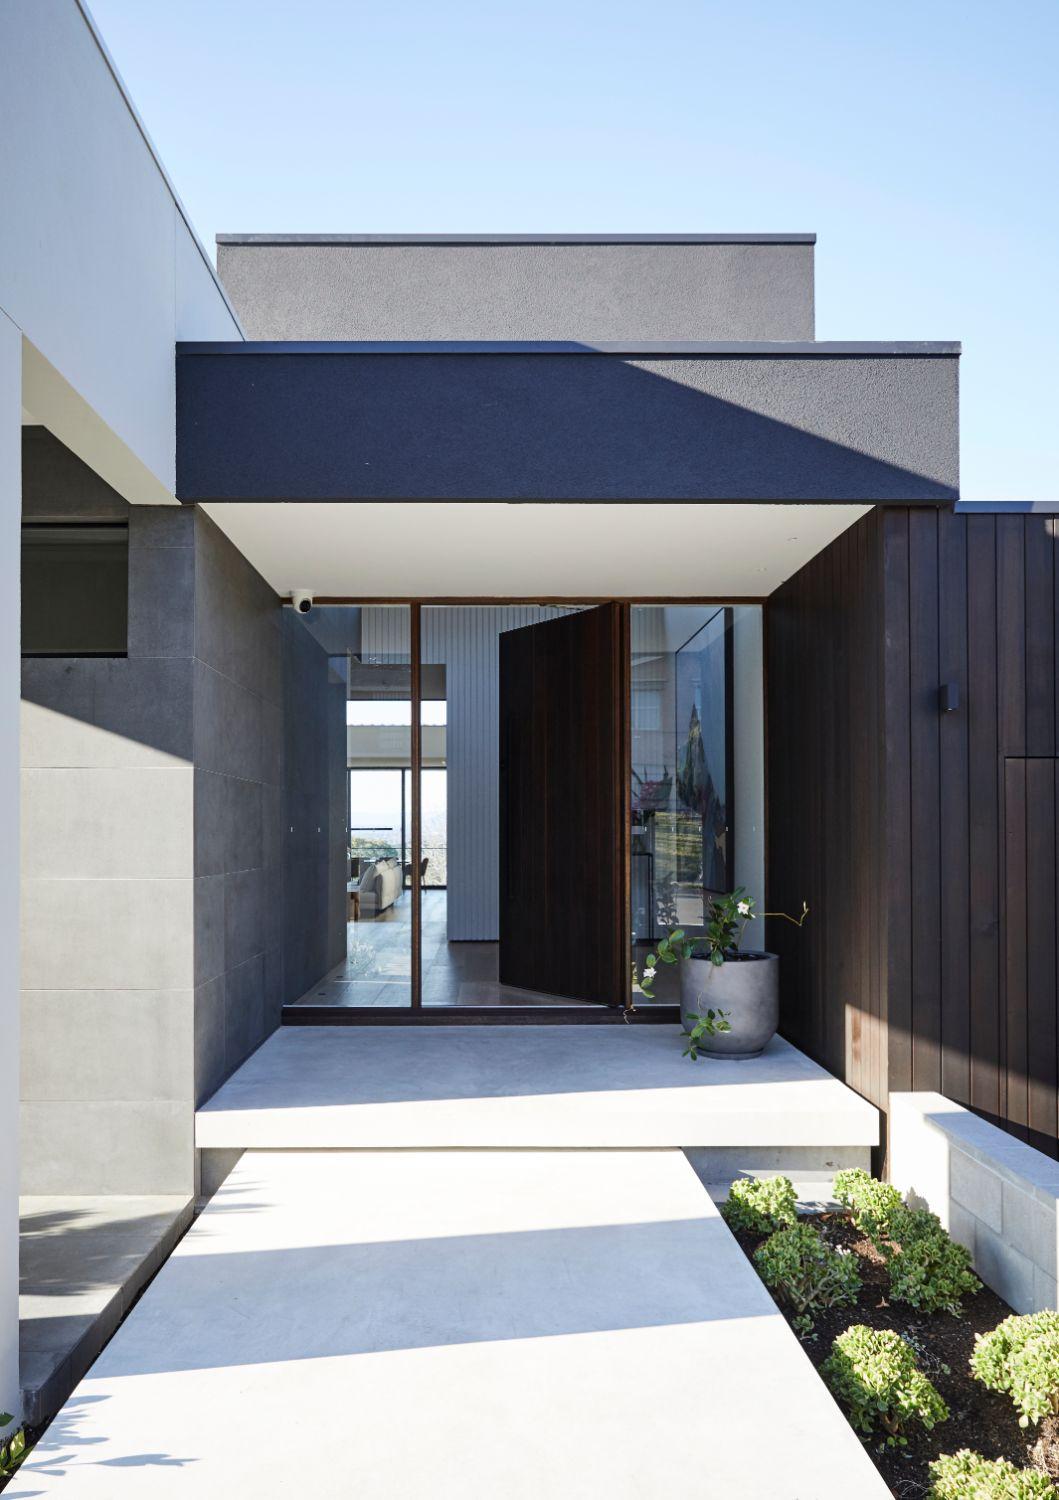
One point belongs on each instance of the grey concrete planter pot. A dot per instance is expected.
(746, 988)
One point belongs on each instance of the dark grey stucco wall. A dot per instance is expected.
(592, 292)
(802, 423)
(151, 850)
(314, 811)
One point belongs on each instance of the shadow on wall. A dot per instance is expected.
(153, 852)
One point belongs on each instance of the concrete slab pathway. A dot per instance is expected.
(411, 1325)
(519, 1086)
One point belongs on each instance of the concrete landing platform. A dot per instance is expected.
(83, 1262)
(454, 1326)
(543, 1086)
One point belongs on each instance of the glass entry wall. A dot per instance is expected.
(461, 848)
(681, 794)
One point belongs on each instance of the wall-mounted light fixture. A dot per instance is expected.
(949, 697)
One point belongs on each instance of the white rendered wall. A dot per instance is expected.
(99, 276)
(10, 514)
(97, 265)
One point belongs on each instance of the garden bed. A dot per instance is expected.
(979, 1419)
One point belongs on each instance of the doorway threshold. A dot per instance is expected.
(477, 1015)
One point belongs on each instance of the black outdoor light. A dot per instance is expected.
(949, 697)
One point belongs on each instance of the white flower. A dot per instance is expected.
(649, 973)
(743, 908)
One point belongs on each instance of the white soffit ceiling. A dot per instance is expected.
(424, 549)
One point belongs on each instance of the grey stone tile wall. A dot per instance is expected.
(106, 862)
(151, 850)
(314, 811)
(995, 1194)
(238, 757)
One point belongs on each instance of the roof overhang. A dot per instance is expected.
(788, 422)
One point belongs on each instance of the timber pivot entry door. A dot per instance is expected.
(563, 806)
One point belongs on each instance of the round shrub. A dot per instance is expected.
(969, 1476)
(873, 1372)
(928, 1269)
(1020, 1358)
(872, 1203)
(805, 1272)
(760, 1205)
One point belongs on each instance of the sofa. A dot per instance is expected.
(381, 883)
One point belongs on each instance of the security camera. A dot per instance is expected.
(302, 599)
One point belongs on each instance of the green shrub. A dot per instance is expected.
(928, 1269)
(759, 1206)
(1020, 1358)
(969, 1476)
(13, 1448)
(872, 1203)
(873, 1372)
(805, 1272)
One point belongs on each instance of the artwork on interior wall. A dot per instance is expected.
(703, 779)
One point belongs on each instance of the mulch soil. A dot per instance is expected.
(979, 1419)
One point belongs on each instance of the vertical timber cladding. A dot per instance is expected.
(926, 839)
(826, 826)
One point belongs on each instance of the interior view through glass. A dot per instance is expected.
(681, 836)
(696, 795)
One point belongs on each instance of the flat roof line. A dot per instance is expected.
(1007, 507)
(727, 349)
(516, 239)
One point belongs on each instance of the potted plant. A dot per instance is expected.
(729, 1000)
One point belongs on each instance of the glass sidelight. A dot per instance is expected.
(681, 772)
(349, 705)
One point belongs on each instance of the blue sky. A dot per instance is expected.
(919, 140)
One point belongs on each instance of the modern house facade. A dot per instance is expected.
(622, 587)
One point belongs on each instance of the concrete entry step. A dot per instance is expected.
(535, 1086)
(454, 1326)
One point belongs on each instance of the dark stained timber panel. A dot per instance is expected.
(1031, 996)
(562, 834)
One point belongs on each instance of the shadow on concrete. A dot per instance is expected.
(233, 1308)
(320, 1067)
(64, 1432)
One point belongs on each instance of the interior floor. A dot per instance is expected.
(378, 964)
